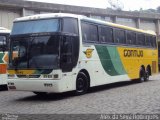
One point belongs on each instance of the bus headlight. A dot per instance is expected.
(53, 76)
(56, 76)
(11, 76)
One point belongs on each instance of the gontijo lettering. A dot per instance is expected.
(133, 53)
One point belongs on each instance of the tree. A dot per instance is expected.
(116, 4)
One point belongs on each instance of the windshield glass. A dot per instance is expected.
(34, 52)
(3, 43)
(3, 40)
(35, 26)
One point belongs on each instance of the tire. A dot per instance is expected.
(146, 76)
(142, 75)
(3, 87)
(40, 93)
(82, 84)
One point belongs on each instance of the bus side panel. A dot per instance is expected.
(3, 67)
(133, 58)
(104, 64)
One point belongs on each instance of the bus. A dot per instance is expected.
(4, 42)
(60, 52)
(158, 55)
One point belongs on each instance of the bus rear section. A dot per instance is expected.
(159, 56)
(4, 41)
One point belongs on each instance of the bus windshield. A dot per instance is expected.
(34, 52)
(36, 44)
(3, 40)
(35, 26)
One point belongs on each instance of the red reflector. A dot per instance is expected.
(11, 87)
(3, 68)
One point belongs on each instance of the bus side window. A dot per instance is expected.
(70, 25)
(153, 41)
(85, 30)
(119, 36)
(89, 32)
(84, 37)
(140, 39)
(106, 35)
(148, 41)
(3, 43)
(102, 38)
(128, 41)
(131, 38)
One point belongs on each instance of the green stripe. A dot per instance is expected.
(1, 56)
(110, 60)
(116, 61)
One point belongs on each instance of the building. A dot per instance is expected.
(11, 9)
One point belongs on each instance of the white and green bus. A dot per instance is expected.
(159, 56)
(4, 45)
(53, 53)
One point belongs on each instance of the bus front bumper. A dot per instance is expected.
(50, 86)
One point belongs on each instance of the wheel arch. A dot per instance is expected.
(87, 74)
(142, 67)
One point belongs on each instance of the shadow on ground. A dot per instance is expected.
(60, 96)
(3, 88)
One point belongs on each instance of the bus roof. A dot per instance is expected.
(46, 16)
(120, 26)
(55, 15)
(4, 30)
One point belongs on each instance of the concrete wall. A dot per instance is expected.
(10, 9)
(126, 21)
(148, 25)
(7, 16)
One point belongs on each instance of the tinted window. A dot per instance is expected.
(153, 41)
(36, 52)
(89, 32)
(35, 26)
(70, 25)
(140, 39)
(148, 41)
(3, 43)
(119, 36)
(158, 51)
(106, 34)
(131, 38)
(2, 40)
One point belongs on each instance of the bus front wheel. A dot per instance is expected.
(82, 84)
